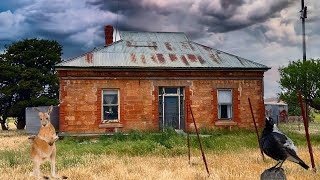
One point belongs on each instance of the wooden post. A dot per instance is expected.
(201, 148)
(256, 128)
(305, 123)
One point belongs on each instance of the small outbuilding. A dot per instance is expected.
(147, 80)
(33, 120)
(278, 110)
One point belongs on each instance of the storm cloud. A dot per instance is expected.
(265, 31)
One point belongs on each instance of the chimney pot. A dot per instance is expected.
(108, 34)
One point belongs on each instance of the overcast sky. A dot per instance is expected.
(265, 31)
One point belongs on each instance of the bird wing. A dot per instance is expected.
(287, 142)
(272, 145)
(288, 146)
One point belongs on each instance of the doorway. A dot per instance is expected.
(171, 108)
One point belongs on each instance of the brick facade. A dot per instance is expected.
(80, 98)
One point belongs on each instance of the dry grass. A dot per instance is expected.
(245, 164)
(12, 139)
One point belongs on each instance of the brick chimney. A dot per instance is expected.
(108, 35)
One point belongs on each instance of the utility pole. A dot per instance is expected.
(303, 16)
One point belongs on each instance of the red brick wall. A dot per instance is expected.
(80, 98)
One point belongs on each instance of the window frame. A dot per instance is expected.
(219, 104)
(102, 106)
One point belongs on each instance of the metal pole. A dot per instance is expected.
(256, 128)
(303, 16)
(202, 152)
(307, 132)
(188, 142)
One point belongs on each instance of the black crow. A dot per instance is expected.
(278, 146)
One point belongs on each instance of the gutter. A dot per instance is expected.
(116, 68)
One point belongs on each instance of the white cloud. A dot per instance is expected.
(65, 17)
(11, 25)
(88, 37)
(280, 31)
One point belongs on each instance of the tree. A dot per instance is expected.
(304, 76)
(28, 77)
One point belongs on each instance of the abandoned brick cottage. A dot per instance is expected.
(146, 81)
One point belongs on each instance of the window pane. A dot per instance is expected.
(224, 96)
(110, 92)
(110, 112)
(225, 111)
(110, 98)
(171, 90)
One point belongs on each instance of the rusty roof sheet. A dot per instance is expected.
(159, 50)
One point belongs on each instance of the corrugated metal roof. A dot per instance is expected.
(159, 50)
(276, 103)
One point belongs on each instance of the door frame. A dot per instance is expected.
(180, 95)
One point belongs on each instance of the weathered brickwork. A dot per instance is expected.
(81, 94)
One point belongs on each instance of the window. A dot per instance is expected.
(110, 106)
(225, 104)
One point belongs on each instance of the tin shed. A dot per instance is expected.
(33, 121)
(277, 110)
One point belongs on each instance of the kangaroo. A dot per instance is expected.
(43, 146)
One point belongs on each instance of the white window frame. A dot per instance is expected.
(102, 106)
(230, 104)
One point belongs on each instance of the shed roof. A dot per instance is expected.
(158, 50)
(280, 103)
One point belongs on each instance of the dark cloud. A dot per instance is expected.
(217, 16)
(123, 7)
(266, 31)
(222, 10)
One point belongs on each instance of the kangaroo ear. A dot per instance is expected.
(36, 109)
(50, 109)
